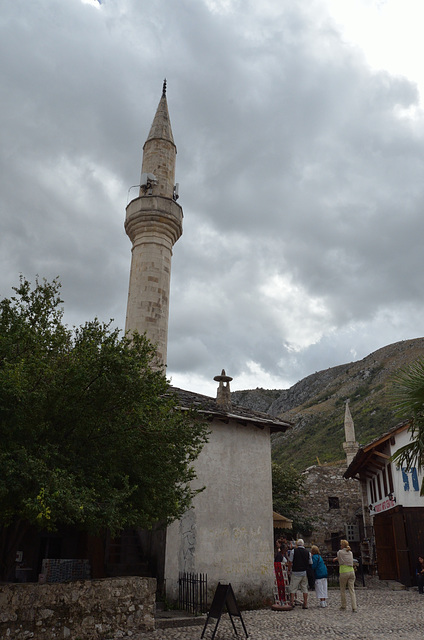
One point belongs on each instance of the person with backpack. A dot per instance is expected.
(321, 574)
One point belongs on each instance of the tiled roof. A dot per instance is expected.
(365, 452)
(207, 405)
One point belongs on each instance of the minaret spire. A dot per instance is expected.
(350, 446)
(153, 224)
(161, 125)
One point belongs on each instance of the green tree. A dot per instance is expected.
(288, 492)
(407, 393)
(89, 430)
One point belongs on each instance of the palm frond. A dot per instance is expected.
(407, 390)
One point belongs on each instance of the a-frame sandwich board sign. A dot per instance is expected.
(224, 597)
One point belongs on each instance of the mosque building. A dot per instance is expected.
(227, 534)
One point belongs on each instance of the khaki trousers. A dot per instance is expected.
(347, 580)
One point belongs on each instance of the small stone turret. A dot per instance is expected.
(223, 394)
(153, 224)
(350, 446)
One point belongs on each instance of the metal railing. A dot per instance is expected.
(193, 592)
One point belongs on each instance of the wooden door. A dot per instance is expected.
(385, 547)
(414, 525)
(402, 551)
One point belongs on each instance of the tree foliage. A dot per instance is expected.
(288, 493)
(89, 431)
(407, 393)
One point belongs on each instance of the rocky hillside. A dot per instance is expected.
(316, 405)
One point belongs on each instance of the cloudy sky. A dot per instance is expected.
(300, 136)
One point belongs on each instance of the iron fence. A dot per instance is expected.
(192, 592)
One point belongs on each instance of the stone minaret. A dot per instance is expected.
(350, 446)
(153, 224)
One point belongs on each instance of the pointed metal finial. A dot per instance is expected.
(164, 88)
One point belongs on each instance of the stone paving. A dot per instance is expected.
(382, 614)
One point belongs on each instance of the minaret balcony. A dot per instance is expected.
(148, 215)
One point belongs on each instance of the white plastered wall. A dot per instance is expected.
(228, 534)
(406, 489)
(406, 497)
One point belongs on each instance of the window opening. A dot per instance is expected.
(335, 541)
(333, 503)
(405, 479)
(390, 478)
(384, 482)
(414, 479)
(379, 487)
(371, 491)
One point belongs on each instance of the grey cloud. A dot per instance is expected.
(300, 180)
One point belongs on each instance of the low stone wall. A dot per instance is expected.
(86, 610)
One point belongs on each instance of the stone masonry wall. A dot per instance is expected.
(89, 609)
(322, 483)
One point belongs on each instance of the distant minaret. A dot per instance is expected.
(153, 224)
(350, 446)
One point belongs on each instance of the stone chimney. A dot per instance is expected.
(223, 394)
(350, 446)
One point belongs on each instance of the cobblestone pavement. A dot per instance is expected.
(381, 614)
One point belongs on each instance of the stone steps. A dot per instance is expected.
(177, 619)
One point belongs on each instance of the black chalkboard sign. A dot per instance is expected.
(224, 598)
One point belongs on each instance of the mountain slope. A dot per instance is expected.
(316, 405)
